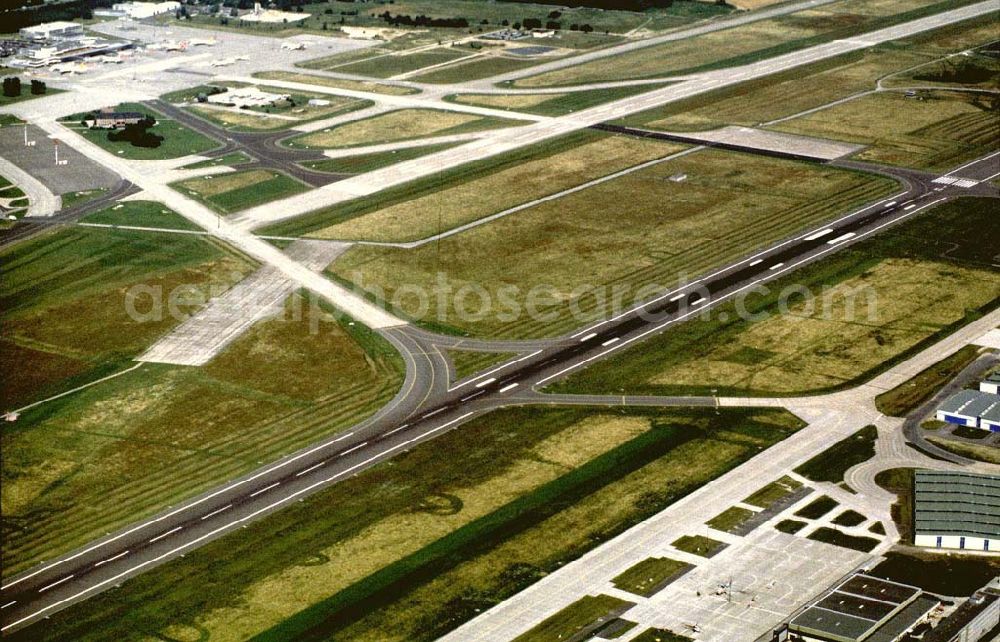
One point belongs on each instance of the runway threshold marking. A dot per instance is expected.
(111, 559)
(841, 238)
(818, 235)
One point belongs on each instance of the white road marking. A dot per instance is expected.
(111, 559)
(473, 395)
(56, 583)
(217, 511)
(610, 341)
(395, 430)
(818, 235)
(841, 239)
(225, 527)
(677, 298)
(775, 266)
(890, 203)
(435, 412)
(265, 489)
(509, 387)
(756, 262)
(588, 337)
(486, 383)
(11, 603)
(170, 532)
(352, 449)
(909, 207)
(699, 301)
(302, 472)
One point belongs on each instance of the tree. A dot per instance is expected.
(234, 13)
(586, 28)
(12, 86)
(532, 23)
(38, 87)
(553, 25)
(553, 15)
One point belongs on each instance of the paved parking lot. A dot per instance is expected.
(78, 174)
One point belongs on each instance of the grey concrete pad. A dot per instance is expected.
(259, 296)
(818, 148)
(78, 174)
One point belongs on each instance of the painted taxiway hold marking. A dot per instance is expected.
(170, 532)
(819, 235)
(610, 341)
(588, 337)
(302, 472)
(111, 559)
(841, 239)
(508, 387)
(217, 511)
(358, 447)
(265, 489)
(56, 583)
(486, 383)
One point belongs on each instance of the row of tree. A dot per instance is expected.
(34, 12)
(12, 87)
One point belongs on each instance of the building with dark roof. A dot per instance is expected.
(973, 620)
(863, 609)
(957, 510)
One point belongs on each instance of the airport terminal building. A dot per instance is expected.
(957, 510)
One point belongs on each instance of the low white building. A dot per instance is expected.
(141, 10)
(52, 32)
(244, 97)
(968, 408)
(991, 384)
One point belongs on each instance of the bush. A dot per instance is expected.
(12, 86)
(38, 87)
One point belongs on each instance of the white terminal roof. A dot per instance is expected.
(51, 26)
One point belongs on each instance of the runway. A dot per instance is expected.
(428, 405)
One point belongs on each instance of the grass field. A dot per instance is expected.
(938, 130)
(468, 363)
(910, 287)
(787, 93)
(585, 614)
(338, 83)
(400, 125)
(790, 526)
(661, 635)
(773, 492)
(235, 191)
(817, 508)
(413, 548)
(368, 162)
(552, 104)
(26, 93)
(476, 68)
(831, 464)
(730, 520)
(649, 575)
(581, 250)
(698, 545)
(88, 463)
(899, 481)
(741, 44)
(403, 62)
(910, 395)
(842, 539)
(849, 518)
(442, 203)
(142, 214)
(989, 454)
(178, 140)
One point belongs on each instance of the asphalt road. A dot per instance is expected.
(262, 147)
(28, 227)
(428, 406)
